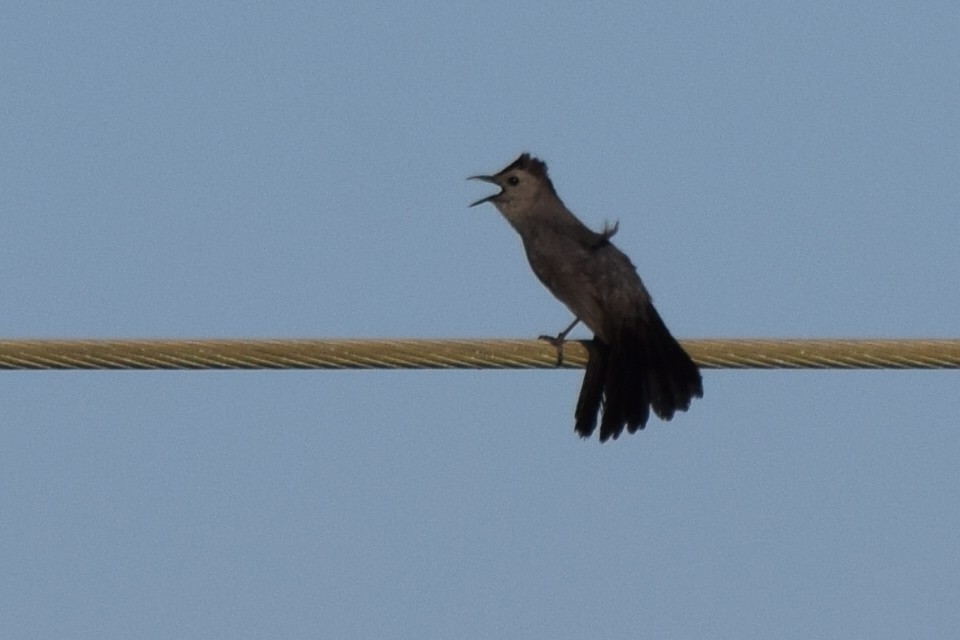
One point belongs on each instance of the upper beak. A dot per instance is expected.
(485, 179)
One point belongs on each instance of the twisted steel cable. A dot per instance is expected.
(459, 354)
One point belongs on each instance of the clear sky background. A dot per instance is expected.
(298, 171)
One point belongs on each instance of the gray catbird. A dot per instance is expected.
(634, 363)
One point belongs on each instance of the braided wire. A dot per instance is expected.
(459, 354)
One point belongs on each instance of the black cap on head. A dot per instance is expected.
(535, 166)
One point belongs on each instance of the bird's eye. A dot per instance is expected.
(513, 181)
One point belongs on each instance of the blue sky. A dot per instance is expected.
(298, 170)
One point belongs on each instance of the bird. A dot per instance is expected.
(634, 363)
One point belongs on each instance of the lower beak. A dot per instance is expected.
(490, 179)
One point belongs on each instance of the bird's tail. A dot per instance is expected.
(643, 368)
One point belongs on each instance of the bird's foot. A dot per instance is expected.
(560, 339)
(557, 341)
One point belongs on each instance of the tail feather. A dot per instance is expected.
(616, 395)
(678, 377)
(591, 391)
(643, 368)
(633, 374)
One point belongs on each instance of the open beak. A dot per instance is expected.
(490, 179)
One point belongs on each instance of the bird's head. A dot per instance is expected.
(521, 184)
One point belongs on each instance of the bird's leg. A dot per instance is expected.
(560, 339)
